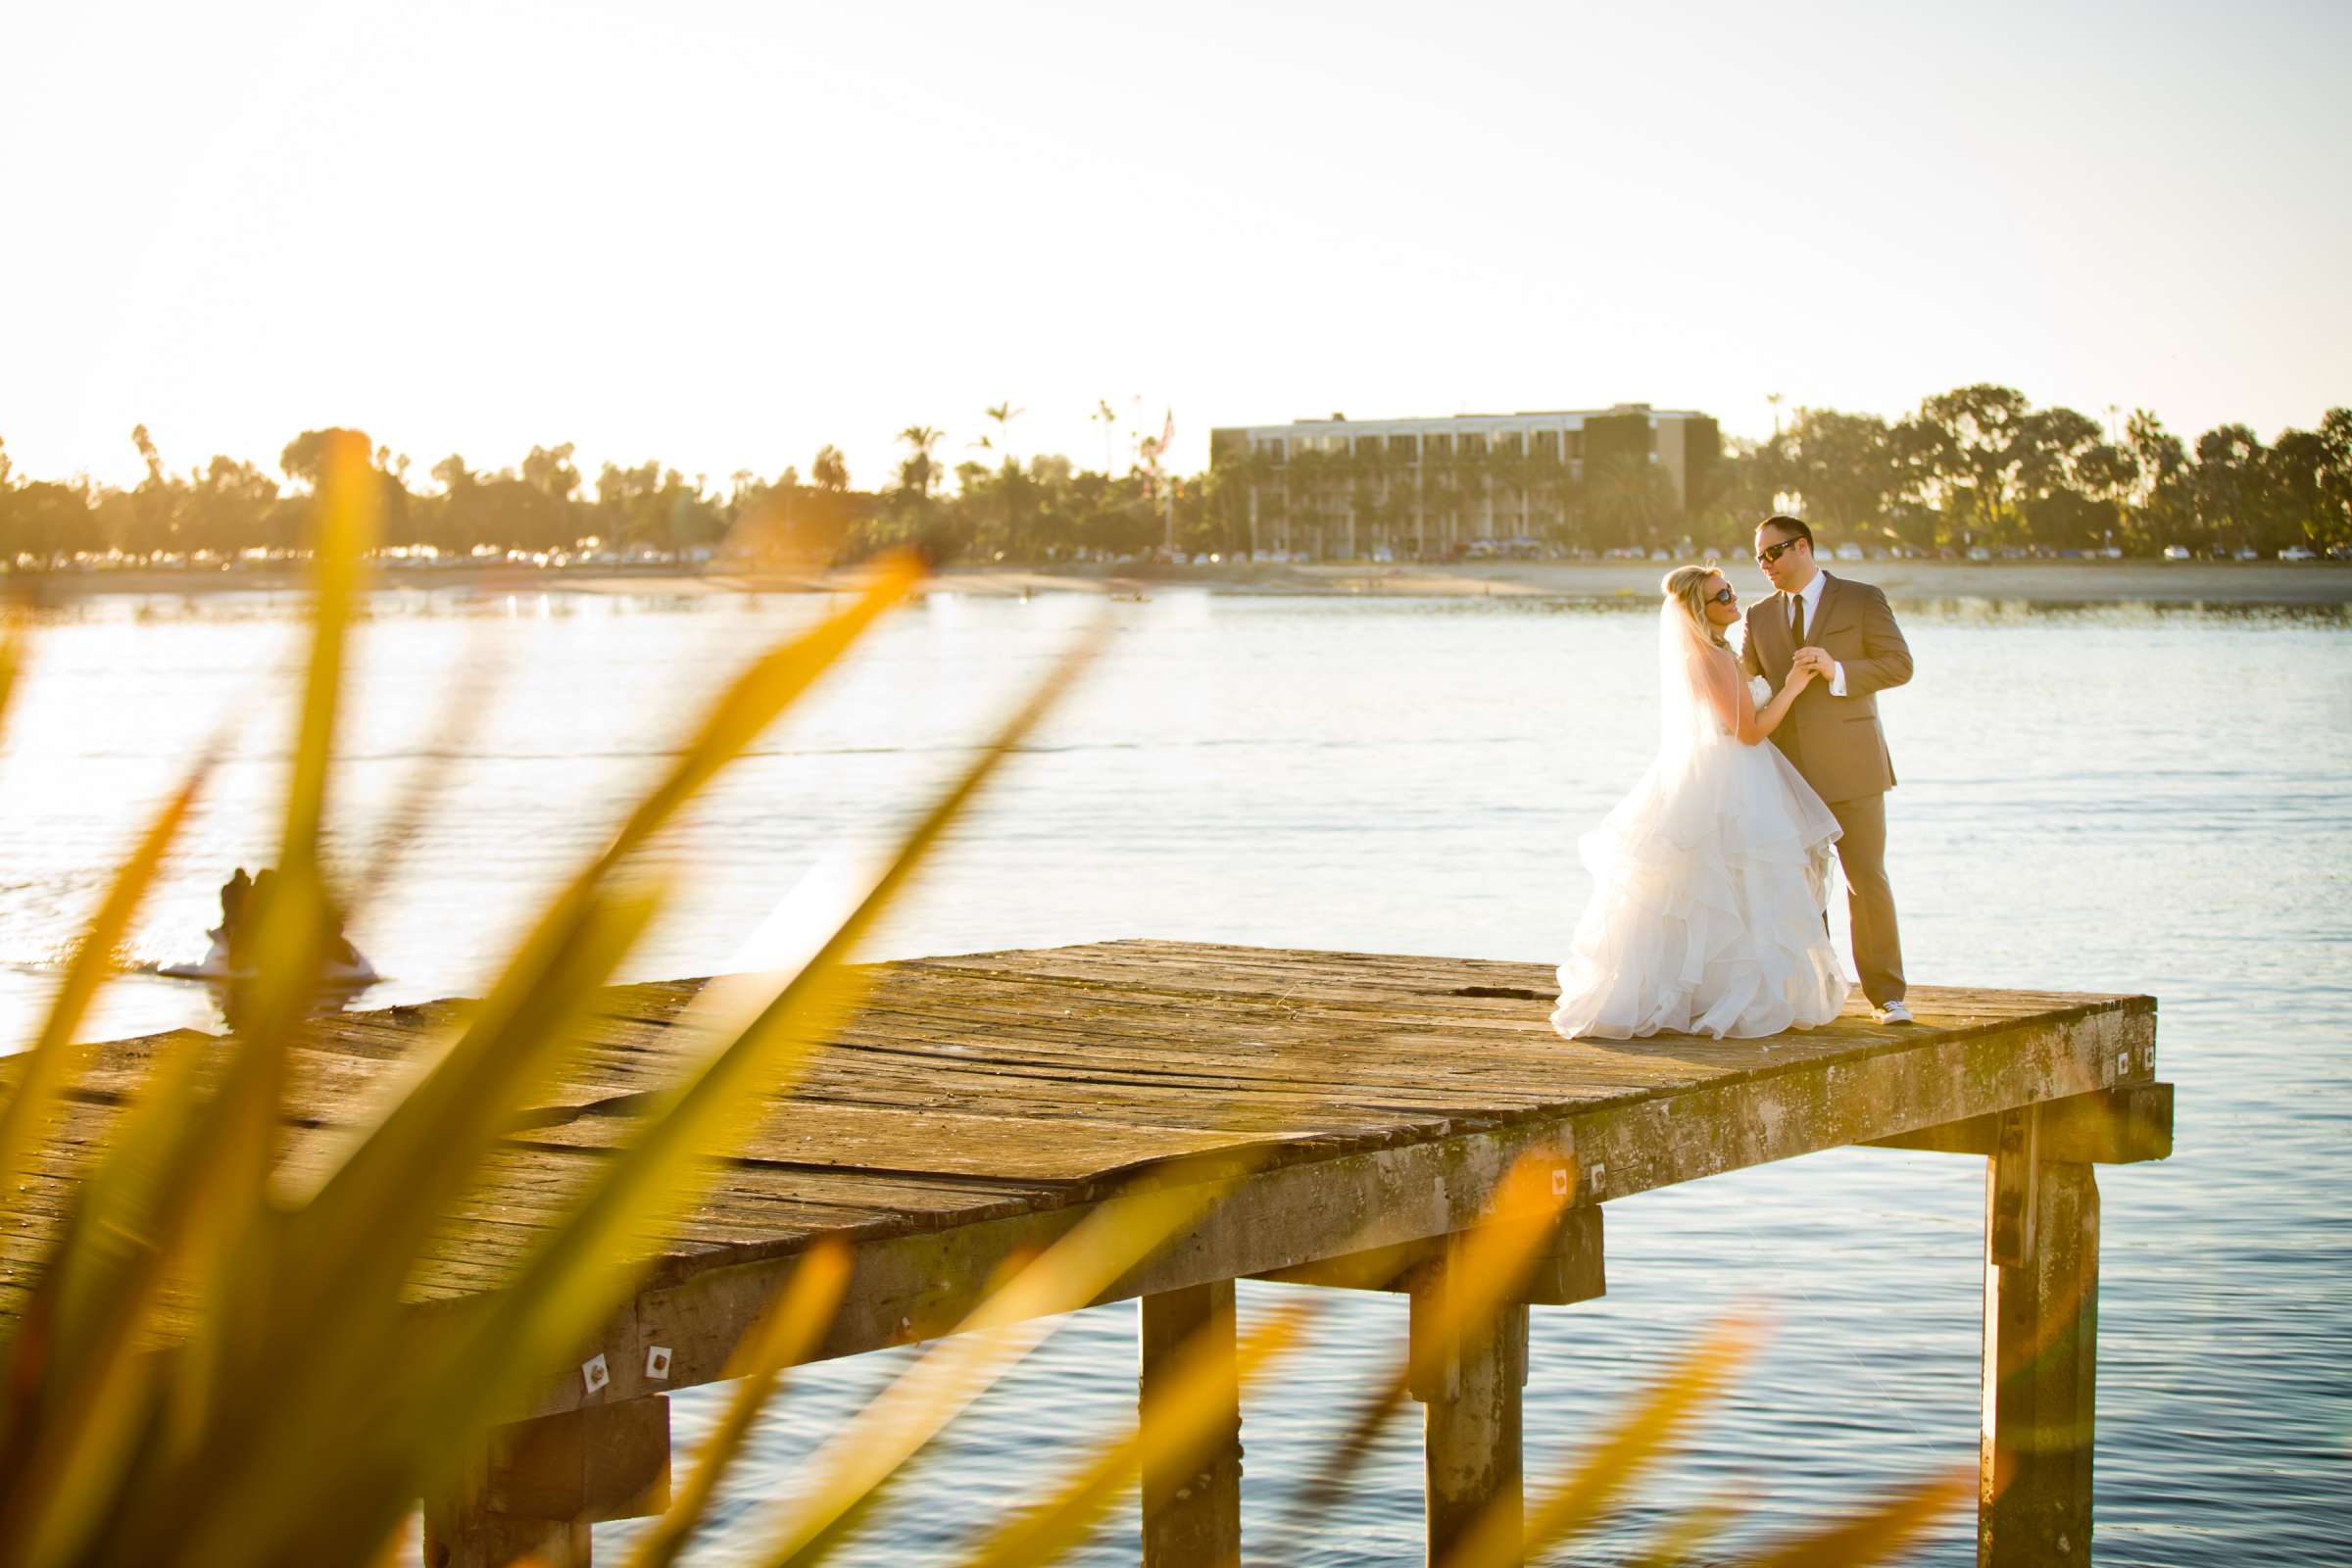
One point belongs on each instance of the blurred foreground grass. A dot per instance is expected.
(198, 1373)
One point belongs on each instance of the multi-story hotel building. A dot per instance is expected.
(1350, 488)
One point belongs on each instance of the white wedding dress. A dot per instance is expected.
(1706, 918)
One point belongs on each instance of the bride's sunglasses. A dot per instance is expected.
(1726, 597)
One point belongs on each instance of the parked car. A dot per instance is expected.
(2249, 553)
(1978, 553)
(1849, 551)
(2296, 553)
(2179, 553)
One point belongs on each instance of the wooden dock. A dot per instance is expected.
(980, 1105)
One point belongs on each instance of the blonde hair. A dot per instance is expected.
(1686, 587)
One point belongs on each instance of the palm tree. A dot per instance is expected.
(1004, 414)
(1105, 416)
(920, 472)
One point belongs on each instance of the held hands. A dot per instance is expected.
(1808, 664)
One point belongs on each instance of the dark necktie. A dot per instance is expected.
(1797, 620)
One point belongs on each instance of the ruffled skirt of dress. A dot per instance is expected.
(1706, 918)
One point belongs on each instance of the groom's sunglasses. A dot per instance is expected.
(1771, 552)
(1724, 598)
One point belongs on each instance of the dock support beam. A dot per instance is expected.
(2042, 1332)
(1469, 1387)
(1193, 1500)
(1469, 1377)
(537, 1485)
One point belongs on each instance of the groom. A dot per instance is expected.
(1846, 633)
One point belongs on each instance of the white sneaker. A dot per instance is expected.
(1893, 1012)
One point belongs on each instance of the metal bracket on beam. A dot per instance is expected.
(2120, 1126)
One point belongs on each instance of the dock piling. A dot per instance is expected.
(1471, 1376)
(2041, 1329)
(1192, 1500)
(539, 1483)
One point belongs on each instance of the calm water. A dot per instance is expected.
(2111, 799)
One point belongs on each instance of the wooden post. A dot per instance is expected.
(1470, 1392)
(1192, 1503)
(466, 1536)
(2041, 1330)
(538, 1484)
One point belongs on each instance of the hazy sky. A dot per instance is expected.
(723, 234)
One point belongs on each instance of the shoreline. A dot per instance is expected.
(2041, 582)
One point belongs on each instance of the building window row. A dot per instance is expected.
(1544, 445)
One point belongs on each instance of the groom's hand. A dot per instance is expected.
(1811, 658)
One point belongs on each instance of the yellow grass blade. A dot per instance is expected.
(229, 1255)
(1595, 1483)
(229, 1250)
(346, 507)
(1173, 1431)
(57, 1059)
(1876, 1535)
(1492, 1265)
(12, 665)
(1674, 1545)
(783, 1339)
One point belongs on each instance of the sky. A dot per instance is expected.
(722, 236)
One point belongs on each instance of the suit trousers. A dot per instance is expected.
(1869, 896)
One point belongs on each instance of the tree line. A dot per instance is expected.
(1975, 466)
(990, 504)
(1981, 465)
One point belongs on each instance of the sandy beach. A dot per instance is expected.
(2034, 582)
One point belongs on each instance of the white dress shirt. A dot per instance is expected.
(1810, 593)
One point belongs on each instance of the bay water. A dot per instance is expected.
(2102, 797)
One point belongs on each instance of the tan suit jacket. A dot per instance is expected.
(1835, 742)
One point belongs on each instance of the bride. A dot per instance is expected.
(1711, 875)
